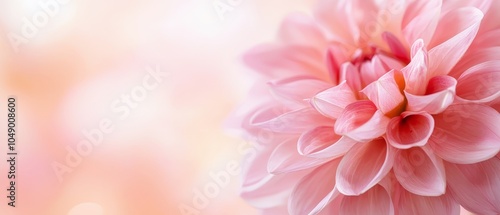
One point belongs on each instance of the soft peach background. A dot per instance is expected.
(92, 51)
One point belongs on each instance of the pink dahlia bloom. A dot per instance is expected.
(377, 107)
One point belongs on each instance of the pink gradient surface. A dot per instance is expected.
(161, 153)
(67, 77)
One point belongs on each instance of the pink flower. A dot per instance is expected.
(378, 107)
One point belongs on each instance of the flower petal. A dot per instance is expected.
(466, 133)
(361, 121)
(411, 204)
(372, 70)
(397, 48)
(322, 142)
(376, 201)
(332, 102)
(282, 209)
(483, 5)
(286, 89)
(262, 189)
(480, 83)
(301, 29)
(410, 130)
(279, 61)
(335, 56)
(438, 96)
(316, 139)
(491, 17)
(486, 40)
(421, 172)
(238, 122)
(415, 73)
(364, 166)
(420, 20)
(476, 56)
(314, 191)
(333, 208)
(297, 121)
(285, 159)
(330, 14)
(476, 186)
(386, 92)
(271, 191)
(495, 104)
(391, 62)
(454, 34)
(350, 74)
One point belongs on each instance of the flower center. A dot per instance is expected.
(366, 65)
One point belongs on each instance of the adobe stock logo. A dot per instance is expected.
(122, 107)
(222, 7)
(218, 181)
(40, 19)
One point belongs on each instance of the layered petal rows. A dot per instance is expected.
(377, 107)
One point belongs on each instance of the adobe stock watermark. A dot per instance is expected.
(375, 26)
(222, 178)
(31, 26)
(222, 7)
(121, 106)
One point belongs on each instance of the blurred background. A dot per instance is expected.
(151, 82)
(163, 75)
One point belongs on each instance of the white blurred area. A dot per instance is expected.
(90, 53)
